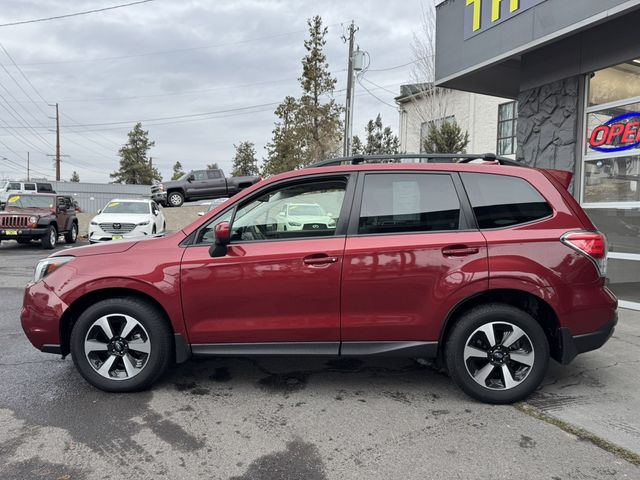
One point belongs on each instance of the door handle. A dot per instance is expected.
(319, 260)
(459, 251)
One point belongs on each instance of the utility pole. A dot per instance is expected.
(57, 144)
(348, 111)
(28, 167)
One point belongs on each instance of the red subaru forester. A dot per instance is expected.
(488, 266)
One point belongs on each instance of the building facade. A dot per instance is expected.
(574, 69)
(489, 121)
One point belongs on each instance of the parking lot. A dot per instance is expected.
(293, 418)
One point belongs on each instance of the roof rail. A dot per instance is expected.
(417, 158)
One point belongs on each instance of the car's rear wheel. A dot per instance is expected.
(175, 199)
(497, 353)
(121, 344)
(50, 239)
(72, 235)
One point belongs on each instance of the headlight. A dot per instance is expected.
(33, 219)
(294, 224)
(94, 223)
(49, 265)
(142, 224)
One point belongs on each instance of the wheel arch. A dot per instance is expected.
(180, 347)
(533, 304)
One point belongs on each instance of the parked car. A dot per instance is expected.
(213, 204)
(199, 185)
(490, 268)
(39, 217)
(304, 216)
(10, 187)
(127, 219)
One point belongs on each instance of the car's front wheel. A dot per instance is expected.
(497, 353)
(175, 199)
(121, 344)
(72, 235)
(50, 238)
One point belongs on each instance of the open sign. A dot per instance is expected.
(618, 134)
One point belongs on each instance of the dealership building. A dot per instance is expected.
(573, 66)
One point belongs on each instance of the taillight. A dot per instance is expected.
(591, 244)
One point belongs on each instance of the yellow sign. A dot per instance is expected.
(14, 199)
(481, 15)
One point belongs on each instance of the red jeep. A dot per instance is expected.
(491, 267)
(43, 217)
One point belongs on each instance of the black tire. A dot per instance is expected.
(24, 241)
(153, 230)
(159, 336)
(72, 235)
(465, 332)
(175, 199)
(50, 239)
(164, 227)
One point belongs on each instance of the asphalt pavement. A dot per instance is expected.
(293, 418)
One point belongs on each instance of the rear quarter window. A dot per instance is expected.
(500, 201)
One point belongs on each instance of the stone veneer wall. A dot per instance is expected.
(548, 125)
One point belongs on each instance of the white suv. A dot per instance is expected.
(9, 187)
(124, 219)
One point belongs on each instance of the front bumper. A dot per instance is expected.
(40, 316)
(571, 346)
(159, 197)
(22, 233)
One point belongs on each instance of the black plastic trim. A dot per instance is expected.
(51, 348)
(391, 349)
(183, 350)
(573, 346)
(275, 348)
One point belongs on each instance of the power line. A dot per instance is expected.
(395, 107)
(86, 12)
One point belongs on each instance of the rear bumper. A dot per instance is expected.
(159, 197)
(571, 346)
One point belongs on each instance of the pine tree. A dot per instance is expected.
(75, 178)
(135, 168)
(177, 171)
(380, 140)
(319, 119)
(447, 137)
(245, 161)
(284, 153)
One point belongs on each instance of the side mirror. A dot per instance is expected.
(222, 233)
(62, 209)
(190, 178)
(99, 211)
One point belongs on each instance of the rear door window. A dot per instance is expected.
(500, 201)
(30, 187)
(408, 202)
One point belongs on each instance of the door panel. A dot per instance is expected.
(396, 287)
(264, 292)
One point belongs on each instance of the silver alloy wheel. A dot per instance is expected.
(174, 199)
(74, 232)
(121, 355)
(499, 355)
(53, 236)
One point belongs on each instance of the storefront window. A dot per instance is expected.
(612, 180)
(622, 227)
(615, 83)
(507, 128)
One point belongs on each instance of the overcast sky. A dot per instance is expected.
(171, 58)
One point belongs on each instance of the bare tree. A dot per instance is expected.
(431, 101)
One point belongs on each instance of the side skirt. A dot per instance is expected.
(397, 349)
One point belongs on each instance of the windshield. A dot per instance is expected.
(126, 207)
(305, 210)
(30, 201)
